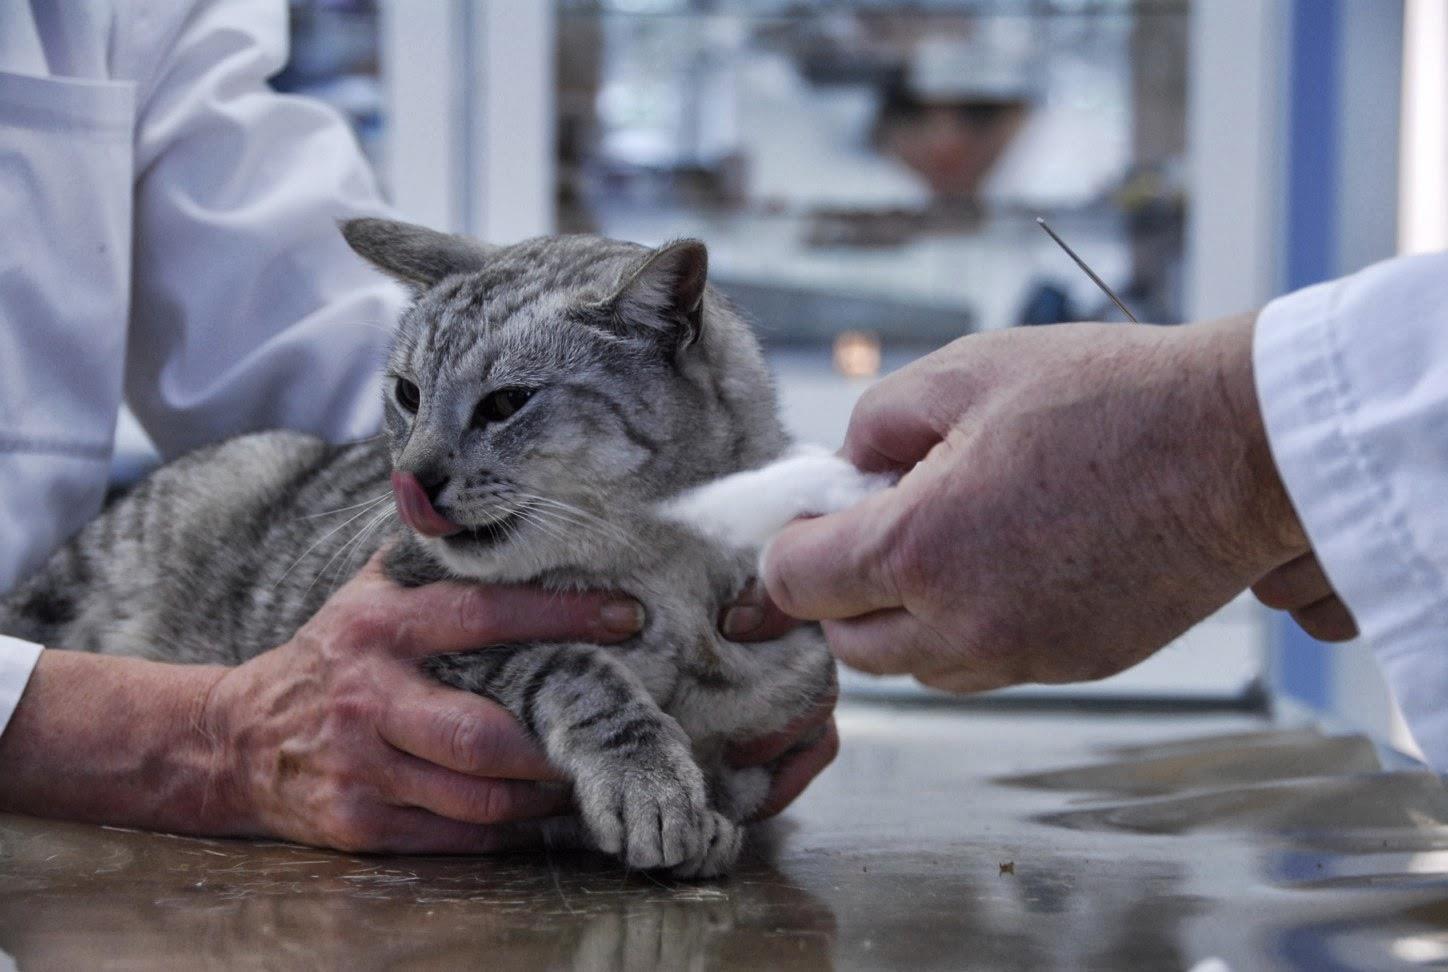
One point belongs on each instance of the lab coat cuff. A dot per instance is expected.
(1355, 524)
(17, 661)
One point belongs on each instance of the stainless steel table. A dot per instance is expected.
(941, 839)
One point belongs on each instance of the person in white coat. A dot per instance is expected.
(171, 242)
(1076, 496)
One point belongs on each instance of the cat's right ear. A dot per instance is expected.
(666, 293)
(416, 256)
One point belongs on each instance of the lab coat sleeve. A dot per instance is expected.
(248, 309)
(1352, 377)
(17, 660)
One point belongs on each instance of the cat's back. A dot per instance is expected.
(207, 530)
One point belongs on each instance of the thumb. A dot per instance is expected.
(893, 426)
(834, 566)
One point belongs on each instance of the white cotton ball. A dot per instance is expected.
(746, 509)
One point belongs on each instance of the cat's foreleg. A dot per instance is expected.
(640, 793)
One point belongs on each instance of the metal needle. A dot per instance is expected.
(1041, 221)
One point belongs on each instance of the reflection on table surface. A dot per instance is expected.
(942, 839)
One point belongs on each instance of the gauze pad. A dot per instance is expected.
(746, 509)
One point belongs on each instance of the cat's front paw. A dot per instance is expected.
(718, 853)
(652, 812)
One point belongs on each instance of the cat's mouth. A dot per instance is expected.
(417, 511)
(485, 535)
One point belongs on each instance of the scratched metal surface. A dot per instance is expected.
(938, 841)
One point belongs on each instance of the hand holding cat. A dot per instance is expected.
(806, 746)
(337, 738)
(1074, 497)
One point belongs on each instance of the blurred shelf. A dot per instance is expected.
(791, 9)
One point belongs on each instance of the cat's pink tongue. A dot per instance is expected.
(417, 510)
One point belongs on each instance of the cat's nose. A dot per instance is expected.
(433, 483)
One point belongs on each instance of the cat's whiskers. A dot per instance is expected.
(540, 505)
(357, 543)
(323, 538)
(355, 538)
(580, 518)
(535, 517)
(367, 502)
(597, 528)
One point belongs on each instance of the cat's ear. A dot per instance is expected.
(668, 291)
(414, 255)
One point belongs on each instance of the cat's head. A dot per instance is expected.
(535, 389)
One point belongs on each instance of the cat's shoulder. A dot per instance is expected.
(270, 446)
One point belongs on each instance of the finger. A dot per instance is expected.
(896, 643)
(1327, 620)
(1296, 584)
(890, 642)
(410, 830)
(766, 749)
(890, 429)
(447, 617)
(755, 617)
(462, 732)
(834, 566)
(797, 771)
(411, 782)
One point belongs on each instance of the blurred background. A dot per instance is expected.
(867, 174)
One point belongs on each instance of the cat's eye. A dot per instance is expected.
(501, 404)
(407, 394)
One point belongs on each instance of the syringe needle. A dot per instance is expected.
(1041, 221)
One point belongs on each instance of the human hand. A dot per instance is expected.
(1302, 589)
(338, 738)
(806, 746)
(752, 616)
(1074, 497)
(800, 751)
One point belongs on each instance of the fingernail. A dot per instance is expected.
(622, 616)
(741, 621)
(751, 595)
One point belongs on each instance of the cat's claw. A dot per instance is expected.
(651, 819)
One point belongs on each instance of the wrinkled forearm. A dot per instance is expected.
(118, 741)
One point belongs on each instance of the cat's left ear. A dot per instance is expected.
(414, 255)
(668, 291)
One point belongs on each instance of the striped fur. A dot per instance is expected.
(644, 383)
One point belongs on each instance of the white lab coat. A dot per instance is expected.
(1352, 376)
(169, 238)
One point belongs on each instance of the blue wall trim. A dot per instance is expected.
(1313, 182)
(1313, 178)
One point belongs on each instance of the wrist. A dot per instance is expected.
(222, 807)
(1256, 514)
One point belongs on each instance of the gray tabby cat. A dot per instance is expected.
(542, 400)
